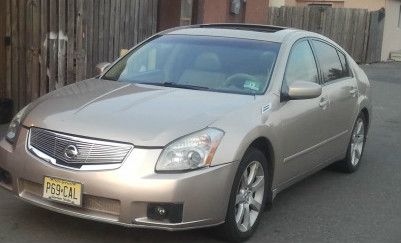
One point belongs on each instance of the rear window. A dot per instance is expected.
(344, 64)
(215, 63)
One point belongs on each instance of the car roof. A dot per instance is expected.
(244, 31)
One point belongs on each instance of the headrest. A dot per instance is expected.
(208, 61)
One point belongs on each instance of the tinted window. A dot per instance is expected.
(301, 64)
(213, 63)
(344, 63)
(329, 61)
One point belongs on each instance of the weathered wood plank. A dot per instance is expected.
(299, 18)
(126, 24)
(106, 32)
(123, 26)
(89, 37)
(360, 33)
(328, 22)
(8, 50)
(147, 20)
(53, 47)
(142, 22)
(354, 38)
(24, 51)
(117, 29)
(80, 46)
(375, 36)
(131, 34)
(62, 44)
(44, 42)
(136, 22)
(112, 30)
(35, 50)
(14, 55)
(346, 36)
(95, 42)
(305, 22)
(3, 59)
(155, 16)
(100, 49)
(366, 37)
(71, 41)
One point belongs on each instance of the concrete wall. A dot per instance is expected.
(392, 32)
(256, 11)
(371, 5)
(218, 11)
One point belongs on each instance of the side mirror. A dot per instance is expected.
(301, 90)
(101, 67)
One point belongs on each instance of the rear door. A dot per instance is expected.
(341, 88)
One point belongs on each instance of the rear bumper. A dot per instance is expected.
(122, 196)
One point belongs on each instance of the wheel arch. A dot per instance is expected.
(265, 146)
(365, 112)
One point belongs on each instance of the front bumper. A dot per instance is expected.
(122, 196)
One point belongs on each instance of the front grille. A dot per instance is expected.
(88, 151)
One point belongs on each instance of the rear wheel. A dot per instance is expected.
(356, 146)
(248, 196)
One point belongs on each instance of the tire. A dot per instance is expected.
(356, 146)
(240, 198)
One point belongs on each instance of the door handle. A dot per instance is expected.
(353, 91)
(323, 103)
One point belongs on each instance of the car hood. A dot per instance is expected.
(139, 114)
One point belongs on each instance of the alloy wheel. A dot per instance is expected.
(249, 197)
(357, 142)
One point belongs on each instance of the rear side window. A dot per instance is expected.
(344, 64)
(329, 61)
(301, 64)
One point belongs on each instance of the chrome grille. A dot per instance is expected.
(89, 151)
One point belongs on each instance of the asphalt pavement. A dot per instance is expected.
(326, 207)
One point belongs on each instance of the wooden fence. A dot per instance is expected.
(57, 42)
(350, 28)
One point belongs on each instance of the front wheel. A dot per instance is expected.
(248, 196)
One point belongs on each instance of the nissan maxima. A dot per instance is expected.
(195, 127)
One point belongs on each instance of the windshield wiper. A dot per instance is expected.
(176, 85)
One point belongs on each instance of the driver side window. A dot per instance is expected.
(301, 64)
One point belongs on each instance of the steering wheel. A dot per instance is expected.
(238, 80)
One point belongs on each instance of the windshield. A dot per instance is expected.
(199, 62)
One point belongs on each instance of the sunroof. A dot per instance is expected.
(251, 27)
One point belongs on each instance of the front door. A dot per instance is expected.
(304, 122)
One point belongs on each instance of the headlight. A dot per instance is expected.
(190, 152)
(15, 125)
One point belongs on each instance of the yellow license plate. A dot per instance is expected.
(62, 191)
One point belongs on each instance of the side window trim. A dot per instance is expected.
(319, 70)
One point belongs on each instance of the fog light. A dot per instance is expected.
(165, 212)
(161, 211)
(5, 177)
